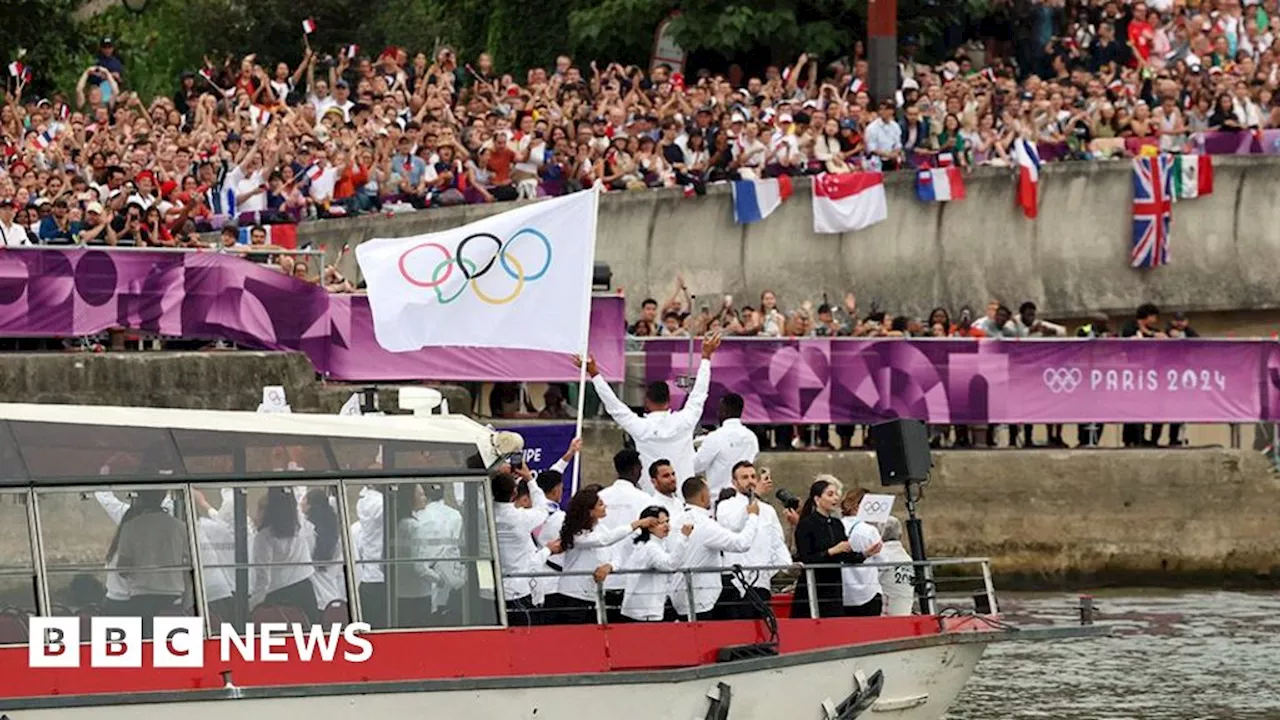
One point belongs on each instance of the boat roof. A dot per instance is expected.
(44, 442)
(432, 428)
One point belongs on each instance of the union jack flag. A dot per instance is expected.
(1152, 210)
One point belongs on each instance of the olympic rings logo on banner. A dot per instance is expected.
(875, 507)
(504, 258)
(1062, 380)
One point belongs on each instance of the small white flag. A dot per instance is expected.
(273, 400)
(351, 406)
(875, 508)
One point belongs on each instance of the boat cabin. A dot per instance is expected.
(243, 517)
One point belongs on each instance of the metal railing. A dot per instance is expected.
(977, 589)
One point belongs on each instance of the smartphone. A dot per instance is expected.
(516, 460)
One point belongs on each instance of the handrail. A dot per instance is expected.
(940, 562)
(925, 585)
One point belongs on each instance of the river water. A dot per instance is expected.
(1174, 656)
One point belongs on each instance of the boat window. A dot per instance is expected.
(117, 552)
(11, 467)
(362, 454)
(17, 573)
(271, 554)
(211, 452)
(422, 553)
(61, 450)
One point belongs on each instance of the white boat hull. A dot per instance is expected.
(920, 683)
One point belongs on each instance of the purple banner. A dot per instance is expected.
(544, 445)
(974, 382)
(68, 293)
(357, 356)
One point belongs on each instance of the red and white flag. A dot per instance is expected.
(1027, 160)
(16, 68)
(313, 172)
(351, 51)
(847, 202)
(308, 26)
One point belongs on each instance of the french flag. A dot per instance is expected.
(940, 184)
(308, 26)
(846, 202)
(1027, 159)
(755, 200)
(284, 235)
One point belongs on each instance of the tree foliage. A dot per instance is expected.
(170, 36)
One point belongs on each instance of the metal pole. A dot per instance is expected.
(36, 533)
(990, 586)
(602, 617)
(688, 589)
(348, 554)
(197, 570)
(811, 588)
(882, 48)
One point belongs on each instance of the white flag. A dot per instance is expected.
(351, 406)
(273, 400)
(521, 279)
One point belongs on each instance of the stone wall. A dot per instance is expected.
(1072, 260)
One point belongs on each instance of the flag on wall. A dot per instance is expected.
(846, 202)
(940, 184)
(1027, 160)
(755, 200)
(283, 235)
(1192, 176)
(1152, 210)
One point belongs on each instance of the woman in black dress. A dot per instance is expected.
(821, 539)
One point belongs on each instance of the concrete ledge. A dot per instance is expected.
(1072, 260)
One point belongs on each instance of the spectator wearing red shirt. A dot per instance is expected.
(501, 158)
(1141, 35)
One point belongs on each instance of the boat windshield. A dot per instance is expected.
(240, 527)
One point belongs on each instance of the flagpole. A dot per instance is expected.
(589, 273)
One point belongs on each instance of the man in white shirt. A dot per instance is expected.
(661, 433)
(442, 531)
(552, 483)
(625, 501)
(517, 551)
(726, 447)
(11, 234)
(703, 547)
(666, 487)
(769, 548)
(884, 137)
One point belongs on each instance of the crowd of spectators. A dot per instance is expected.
(248, 140)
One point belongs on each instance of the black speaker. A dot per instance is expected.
(902, 451)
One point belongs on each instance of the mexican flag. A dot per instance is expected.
(1192, 176)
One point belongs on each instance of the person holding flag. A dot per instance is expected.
(661, 433)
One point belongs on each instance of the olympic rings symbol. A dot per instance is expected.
(1062, 380)
(875, 507)
(470, 270)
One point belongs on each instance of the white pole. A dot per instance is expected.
(589, 273)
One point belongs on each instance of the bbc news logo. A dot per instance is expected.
(178, 642)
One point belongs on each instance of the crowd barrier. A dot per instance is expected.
(975, 382)
(214, 296)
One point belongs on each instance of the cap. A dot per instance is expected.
(1180, 315)
(233, 137)
(107, 42)
(94, 207)
(784, 118)
(341, 84)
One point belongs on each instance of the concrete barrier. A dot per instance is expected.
(1072, 260)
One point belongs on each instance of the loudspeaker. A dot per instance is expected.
(902, 451)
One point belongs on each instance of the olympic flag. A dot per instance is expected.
(520, 279)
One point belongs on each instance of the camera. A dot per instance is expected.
(516, 460)
(788, 499)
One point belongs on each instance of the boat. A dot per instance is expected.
(58, 463)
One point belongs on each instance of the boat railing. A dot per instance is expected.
(939, 585)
